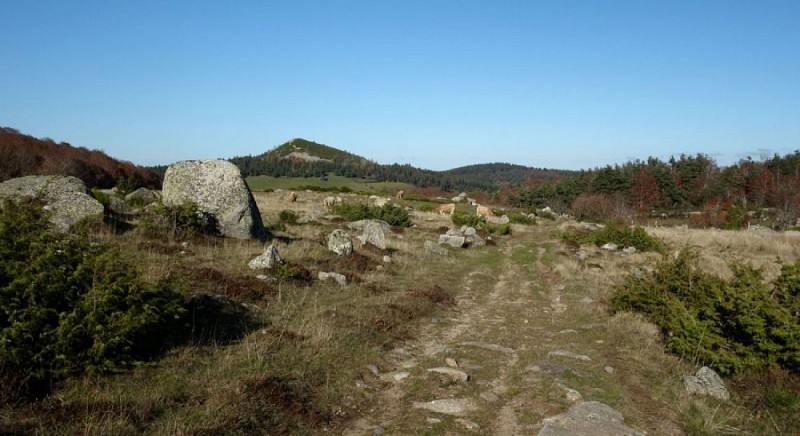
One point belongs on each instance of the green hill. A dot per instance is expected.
(309, 151)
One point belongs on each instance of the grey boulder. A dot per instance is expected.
(65, 197)
(340, 242)
(589, 418)
(266, 260)
(218, 189)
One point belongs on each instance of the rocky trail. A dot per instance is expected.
(524, 351)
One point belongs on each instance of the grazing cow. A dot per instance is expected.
(380, 201)
(329, 202)
(292, 197)
(446, 209)
(484, 211)
(400, 194)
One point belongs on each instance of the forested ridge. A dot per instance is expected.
(24, 155)
(488, 178)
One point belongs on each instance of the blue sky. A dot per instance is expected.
(437, 84)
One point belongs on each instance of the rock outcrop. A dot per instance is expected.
(589, 418)
(65, 197)
(706, 382)
(218, 189)
(266, 260)
(340, 242)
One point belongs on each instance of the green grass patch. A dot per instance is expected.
(331, 183)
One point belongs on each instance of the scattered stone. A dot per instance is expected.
(142, 197)
(267, 260)
(339, 278)
(218, 189)
(455, 407)
(408, 364)
(589, 418)
(487, 346)
(629, 250)
(402, 375)
(569, 354)
(706, 382)
(375, 233)
(563, 332)
(498, 219)
(307, 219)
(435, 248)
(433, 421)
(610, 246)
(377, 431)
(451, 362)
(572, 395)
(453, 241)
(361, 384)
(609, 369)
(582, 255)
(340, 242)
(387, 259)
(374, 369)
(548, 368)
(586, 300)
(468, 231)
(455, 374)
(467, 424)
(489, 396)
(65, 197)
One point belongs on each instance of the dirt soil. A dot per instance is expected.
(529, 333)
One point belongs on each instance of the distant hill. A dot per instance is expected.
(308, 151)
(506, 173)
(302, 158)
(24, 155)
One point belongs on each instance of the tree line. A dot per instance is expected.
(688, 183)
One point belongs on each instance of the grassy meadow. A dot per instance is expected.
(316, 357)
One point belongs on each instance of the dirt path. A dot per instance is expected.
(528, 342)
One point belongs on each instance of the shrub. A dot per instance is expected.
(288, 217)
(467, 219)
(622, 236)
(393, 214)
(732, 325)
(499, 229)
(179, 222)
(101, 196)
(68, 306)
(426, 207)
(519, 218)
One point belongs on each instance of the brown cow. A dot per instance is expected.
(400, 194)
(446, 209)
(484, 211)
(292, 197)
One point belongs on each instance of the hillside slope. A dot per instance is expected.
(26, 155)
(302, 158)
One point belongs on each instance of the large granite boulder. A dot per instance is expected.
(66, 198)
(218, 189)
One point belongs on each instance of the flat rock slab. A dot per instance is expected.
(569, 355)
(487, 346)
(455, 407)
(455, 374)
(589, 418)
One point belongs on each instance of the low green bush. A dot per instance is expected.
(426, 207)
(497, 229)
(622, 236)
(519, 218)
(288, 216)
(178, 222)
(467, 219)
(393, 214)
(732, 325)
(69, 306)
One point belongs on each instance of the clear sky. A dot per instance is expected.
(437, 84)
